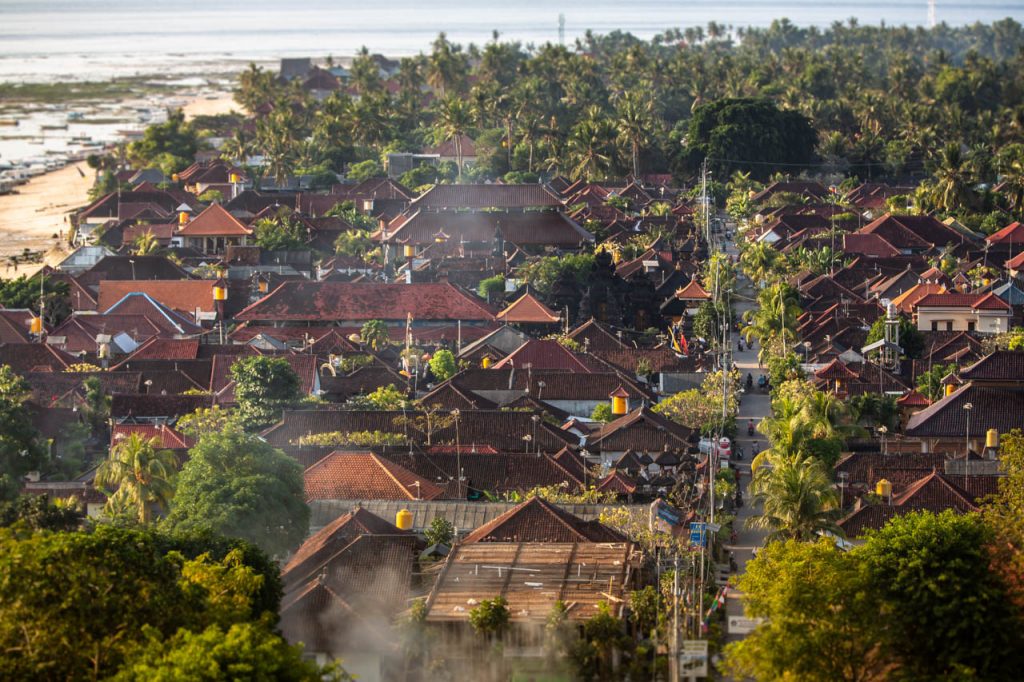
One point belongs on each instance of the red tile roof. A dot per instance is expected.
(183, 296)
(546, 354)
(365, 476)
(537, 520)
(987, 301)
(529, 228)
(693, 292)
(166, 437)
(870, 245)
(340, 301)
(332, 537)
(913, 399)
(527, 309)
(1011, 234)
(487, 196)
(214, 221)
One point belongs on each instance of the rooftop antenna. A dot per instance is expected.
(931, 14)
(561, 26)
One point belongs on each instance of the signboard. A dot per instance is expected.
(698, 533)
(693, 658)
(738, 625)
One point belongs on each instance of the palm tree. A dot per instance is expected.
(454, 118)
(633, 121)
(952, 189)
(588, 148)
(797, 498)
(137, 477)
(145, 244)
(774, 319)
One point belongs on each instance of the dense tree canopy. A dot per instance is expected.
(746, 133)
(237, 485)
(264, 386)
(76, 605)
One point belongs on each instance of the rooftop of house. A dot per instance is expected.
(527, 309)
(364, 475)
(487, 196)
(580, 574)
(334, 301)
(537, 520)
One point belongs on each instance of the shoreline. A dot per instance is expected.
(36, 216)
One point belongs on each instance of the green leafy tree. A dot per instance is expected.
(796, 497)
(543, 273)
(19, 449)
(602, 413)
(282, 232)
(491, 288)
(382, 398)
(1004, 514)
(75, 605)
(23, 292)
(440, 532)
(443, 365)
(753, 135)
(145, 244)
(243, 650)
(374, 333)
(944, 612)
(490, 618)
(364, 170)
(264, 386)
(36, 512)
(237, 485)
(929, 382)
(137, 478)
(821, 620)
(172, 144)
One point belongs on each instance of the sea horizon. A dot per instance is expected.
(103, 39)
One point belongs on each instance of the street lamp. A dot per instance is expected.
(536, 420)
(882, 430)
(967, 443)
(842, 476)
(458, 451)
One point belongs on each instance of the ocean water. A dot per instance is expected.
(42, 40)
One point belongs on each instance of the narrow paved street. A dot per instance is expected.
(755, 405)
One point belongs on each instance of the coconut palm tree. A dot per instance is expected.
(137, 477)
(589, 148)
(798, 499)
(774, 319)
(145, 244)
(634, 120)
(953, 179)
(454, 118)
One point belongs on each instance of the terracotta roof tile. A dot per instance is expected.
(215, 220)
(487, 196)
(537, 520)
(365, 476)
(527, 309)
(339, 301)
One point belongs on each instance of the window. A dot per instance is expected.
(949, 325)
(935, 325)
(971, 325)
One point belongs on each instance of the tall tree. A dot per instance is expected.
(453, 122)
(797, 498)
(634, 114)
(264, 386)
(237, 485)
(137, 478)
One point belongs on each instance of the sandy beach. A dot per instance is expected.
(222, 103)
(35, 216)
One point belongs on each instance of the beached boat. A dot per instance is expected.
(8, 122)
(54, 126)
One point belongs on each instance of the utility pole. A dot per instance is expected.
(673, 662)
